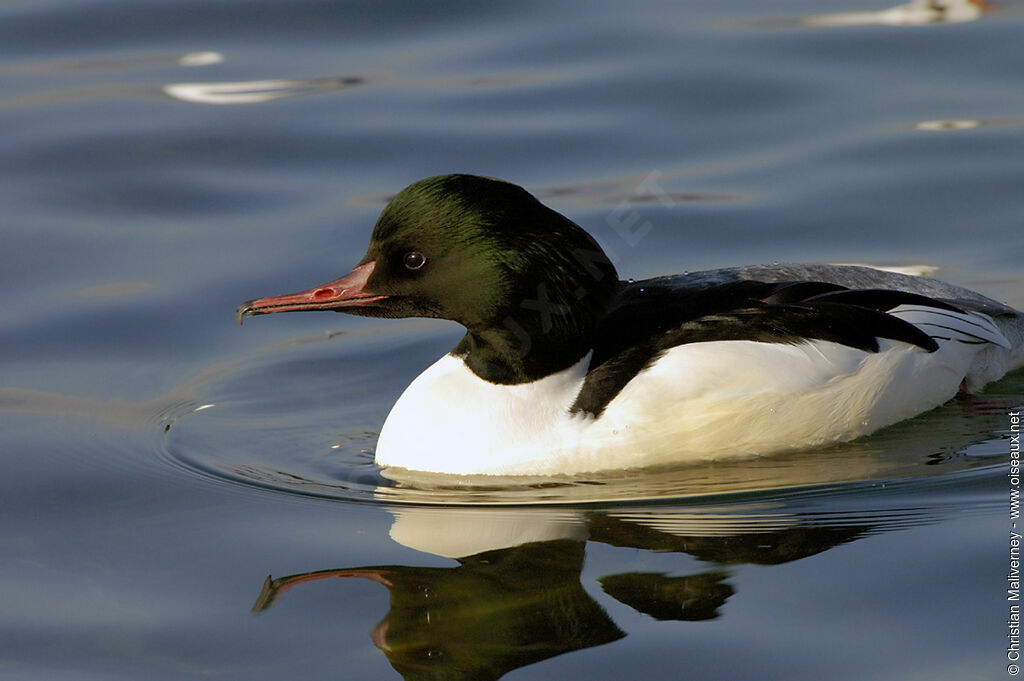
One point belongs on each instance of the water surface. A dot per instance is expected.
(165, 161)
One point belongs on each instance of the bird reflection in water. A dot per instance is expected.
(505, 608)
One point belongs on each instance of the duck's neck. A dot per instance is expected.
(510, 357)
(538, 339)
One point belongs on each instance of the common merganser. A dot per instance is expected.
(566, 369)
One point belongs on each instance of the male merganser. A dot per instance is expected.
(565, 369)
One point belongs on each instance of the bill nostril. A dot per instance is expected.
(323, 293)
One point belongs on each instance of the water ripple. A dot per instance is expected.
(285, 420)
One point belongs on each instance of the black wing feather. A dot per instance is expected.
(882, 300)
(648, 320)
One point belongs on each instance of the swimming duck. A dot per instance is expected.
(567, 369)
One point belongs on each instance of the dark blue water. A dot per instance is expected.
(163, 161)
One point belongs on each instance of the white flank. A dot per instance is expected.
(699, 401)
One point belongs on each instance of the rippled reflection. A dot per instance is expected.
(939, 443)
(957, 124)
(112, 63)
(915, 13)
(285, 421)
(83, 87)
(516, 597)
(609, 191)
(255, 91)
(258, 91)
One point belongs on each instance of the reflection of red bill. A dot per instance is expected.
(273, 588)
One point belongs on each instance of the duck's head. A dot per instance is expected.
(475, 250)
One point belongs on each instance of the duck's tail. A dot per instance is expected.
(996, 359)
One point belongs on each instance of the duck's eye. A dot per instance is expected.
(413, 260)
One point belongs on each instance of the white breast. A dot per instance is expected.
(451, 421)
